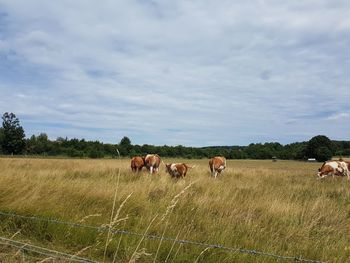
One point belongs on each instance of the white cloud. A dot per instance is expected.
(194, 73)
(342, 116)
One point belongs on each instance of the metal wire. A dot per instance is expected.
(43, 251)
(181, 241)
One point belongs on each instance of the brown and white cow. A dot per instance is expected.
(137, 163)
(152, 162)
(177, 170)
(334, 168)
(217, 165)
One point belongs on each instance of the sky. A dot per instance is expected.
(193, 73)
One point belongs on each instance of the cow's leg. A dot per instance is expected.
(151, 170)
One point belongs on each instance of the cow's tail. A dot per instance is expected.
(191, 167)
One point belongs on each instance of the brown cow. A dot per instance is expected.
(177, 170)
(217, 165)
(334, 168)
(152, 162)
(137, 163)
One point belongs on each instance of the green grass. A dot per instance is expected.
(276, 207)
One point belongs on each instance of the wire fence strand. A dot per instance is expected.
(156, 237)
(43, 251)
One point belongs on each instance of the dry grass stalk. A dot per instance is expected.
(200, 254)
(116, 220)
(136, 256)
(15, 234)
(81, 251)
(187, 232)
(117, 249)
(168, 211)
(172, 246)
(144, 234)
(108, 239)
(174, 201)
(87, 217)
(113, 222)
(46, 259)
(160, 242)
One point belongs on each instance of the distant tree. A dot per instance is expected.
(1, 138)
(43, 143)
(319, 147)
(323, 154)
(13, 141)
(31, 145)
(61, 139)
(125, 146)
(95, 153)
(346, 152)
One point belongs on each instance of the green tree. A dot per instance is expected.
(13, 134)
(323, 154)
(319, 147)
(1, 138)
(95, 153)
(125, 146)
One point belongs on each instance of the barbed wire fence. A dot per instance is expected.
(57, 254)
(21, 246)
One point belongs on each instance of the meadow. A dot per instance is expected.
(275, 207)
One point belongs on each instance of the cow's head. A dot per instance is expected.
(168, 167)
(321, 174)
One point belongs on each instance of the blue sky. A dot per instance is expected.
(194, 73)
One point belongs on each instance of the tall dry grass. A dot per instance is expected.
(277, 207)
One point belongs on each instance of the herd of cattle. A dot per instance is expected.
(152, 162)
(217, 165)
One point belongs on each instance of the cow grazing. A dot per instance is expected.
(137, 163)
(217, 165)
(334, 168)
(177, 170)
(152, 162)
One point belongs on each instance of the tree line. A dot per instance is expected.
(14, 142)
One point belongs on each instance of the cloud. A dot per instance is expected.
(192, 73)
(344, 116)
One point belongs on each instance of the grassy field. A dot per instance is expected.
(277, 207)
